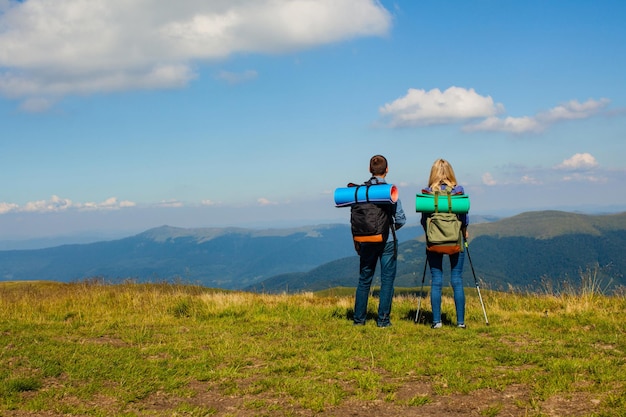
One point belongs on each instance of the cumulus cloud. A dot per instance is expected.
(579, 161)
(477, 113)
(55, 203)
(571, 110)
(422, 108)
(49, 49)
(581, 167)
(58, 204)
(8, 207)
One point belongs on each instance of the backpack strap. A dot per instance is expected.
(448, 194)
(391, 213)
(367, 184)
(395, 239)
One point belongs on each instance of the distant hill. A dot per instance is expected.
(230, 258)
(550, 224)
(532, 251)
(529, 250)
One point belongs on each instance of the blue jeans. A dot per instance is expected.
(370, 253)
(435, 260)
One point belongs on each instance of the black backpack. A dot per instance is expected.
(371, 222)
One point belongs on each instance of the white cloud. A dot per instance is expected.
(571, 110)
(508, 124)
(577, 170)
(529, 179)
(488, 179)
(8, 207)
(170, 203)
(579, 161)
(58, 204)
(579, 177)
(422, 108)
(126, 204)
(510, 179)
(55, 203)
(265, 202)
(49, 49)
(109, 204)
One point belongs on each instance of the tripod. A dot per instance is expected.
(419, 303)
(476, 282)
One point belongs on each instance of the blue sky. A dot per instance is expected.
(120, 116)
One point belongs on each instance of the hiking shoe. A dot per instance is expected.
(436, 326)
(461, 326)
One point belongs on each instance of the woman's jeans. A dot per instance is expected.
(435, 260)
(370, 253)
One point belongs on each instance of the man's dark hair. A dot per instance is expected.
(378, 165)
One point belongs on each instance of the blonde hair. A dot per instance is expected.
(441, 173)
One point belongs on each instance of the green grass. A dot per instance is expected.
(171, 349)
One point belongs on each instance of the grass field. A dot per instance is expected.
(129, 349)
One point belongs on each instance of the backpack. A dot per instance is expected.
(370, 222)
(443, 229)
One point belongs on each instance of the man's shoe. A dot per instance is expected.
(384, 325)
(436, 326)
(461, 326)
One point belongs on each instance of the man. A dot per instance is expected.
(385, 251)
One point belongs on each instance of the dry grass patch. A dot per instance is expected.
(169, 349)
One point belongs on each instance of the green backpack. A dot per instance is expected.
(443, 229)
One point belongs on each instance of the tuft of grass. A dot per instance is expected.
(492, 410)
(419, 400)
(23, 384)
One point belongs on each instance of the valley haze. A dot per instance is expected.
(513, 252)
(49, 229)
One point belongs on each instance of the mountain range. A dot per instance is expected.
(229, 258)
(534, 251)
(529, 250)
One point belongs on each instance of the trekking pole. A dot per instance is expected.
(476, 282)
(419, 303)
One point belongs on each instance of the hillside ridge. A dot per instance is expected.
(203, 234)
(549, 224)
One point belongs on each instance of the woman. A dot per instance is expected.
(442, 178)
